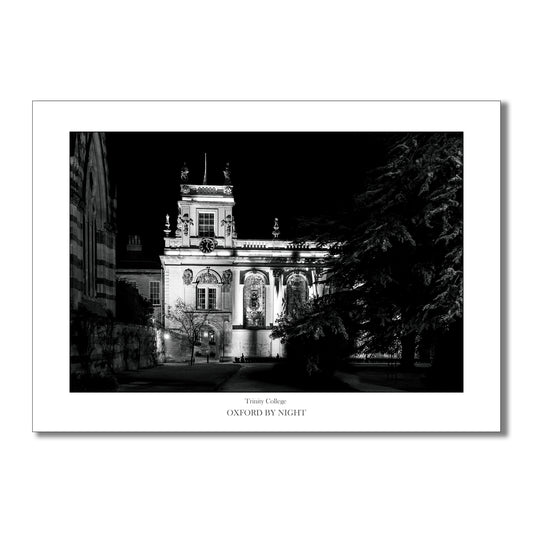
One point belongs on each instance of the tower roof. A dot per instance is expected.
(195, 190)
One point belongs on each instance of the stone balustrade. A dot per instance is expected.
(252, 244)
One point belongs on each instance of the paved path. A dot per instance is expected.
(255, 377)
(216, 377)
(176, 377)
(234, 377)
(356, 383)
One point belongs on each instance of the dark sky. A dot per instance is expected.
(285, 175)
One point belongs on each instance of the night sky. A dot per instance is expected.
(284, 175)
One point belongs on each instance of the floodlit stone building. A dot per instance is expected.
(244, 285)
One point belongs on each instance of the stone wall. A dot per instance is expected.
(105, 347)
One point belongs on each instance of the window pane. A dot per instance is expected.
(297, 292)
(154, 292)
(212, 299)
(206, 224)
(200, 298)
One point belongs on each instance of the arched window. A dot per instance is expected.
(206, 290)
(254, 308)
(89, 238)
(297, 292)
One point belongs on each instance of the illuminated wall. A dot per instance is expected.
(243, 285)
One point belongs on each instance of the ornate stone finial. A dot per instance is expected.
(205, 169)
(167, 226)
(275, 233)
(227, 174)
(184, 173)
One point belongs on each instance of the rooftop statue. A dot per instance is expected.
(227, 174)
(184, 173)
(275, 233)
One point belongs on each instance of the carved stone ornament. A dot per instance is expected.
(184, 222)
(227, 277)
(187, 276)
(277, 272)
(207, 278)
(228, 223)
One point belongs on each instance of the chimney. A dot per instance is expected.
(134, 244)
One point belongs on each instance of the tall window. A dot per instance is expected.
(254, 301)
(212, 298)
(89, 252)
(206, 291)
(155, 293)
(297, 292)
(206, 298)
(206, 224)
(200, 298)
(90, 248)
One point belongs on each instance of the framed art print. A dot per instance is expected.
(266, 266)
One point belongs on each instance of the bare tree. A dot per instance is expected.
(189, 323)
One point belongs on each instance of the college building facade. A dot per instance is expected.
(242, 286)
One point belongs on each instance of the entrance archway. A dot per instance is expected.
(209, 343)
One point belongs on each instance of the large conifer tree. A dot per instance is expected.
(397, 255)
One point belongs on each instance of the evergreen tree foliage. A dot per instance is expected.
(132, 308)
(316, 334)
(396, 260)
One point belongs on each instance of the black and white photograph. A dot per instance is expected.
(267, 266)
(266, 262)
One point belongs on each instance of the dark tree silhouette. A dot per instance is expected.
(132, 308)
(315, 334)
(396, 255)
